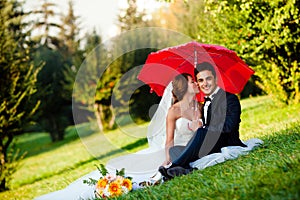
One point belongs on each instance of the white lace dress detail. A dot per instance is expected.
(182, 132)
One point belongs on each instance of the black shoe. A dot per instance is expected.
(165, 179)
(178, 171)
(164, 172)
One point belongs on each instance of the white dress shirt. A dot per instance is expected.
(207, 103)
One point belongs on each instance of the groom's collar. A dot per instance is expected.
(213, 94)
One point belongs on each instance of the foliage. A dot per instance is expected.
(103, 171)
(44, 15)
(94, 82)
(101, 168)
(52, 115)
(136, 46)
(61, 58)
(18, 83)
(12, 163)
(265, 34)
(131, 18)
(106, 63)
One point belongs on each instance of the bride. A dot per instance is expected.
(177, 112)
(171, 125)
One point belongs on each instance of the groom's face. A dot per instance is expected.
(206, 82)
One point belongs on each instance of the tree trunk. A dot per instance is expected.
(52, 135)
(53, 128)
(4, 161)
(61, 135)
(112, 119)
(2, 168)
(3, 185)
(99, 109)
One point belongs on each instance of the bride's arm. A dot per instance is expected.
(170, 128)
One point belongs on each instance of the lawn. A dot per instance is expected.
(268, 172)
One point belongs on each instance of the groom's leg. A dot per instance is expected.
(190, 153)
(176, 151)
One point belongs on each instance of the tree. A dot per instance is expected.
(91, 91)
(45, 17)
(69, 34)
(129, 19)
(18, 84)
(61, 58)
(100, 73)
(265, 34)
(53, 114)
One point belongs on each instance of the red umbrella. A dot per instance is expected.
(162, 66)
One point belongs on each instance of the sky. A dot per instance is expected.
(97, 14)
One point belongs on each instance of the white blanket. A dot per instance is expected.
(227, 153)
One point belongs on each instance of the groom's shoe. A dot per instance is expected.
(164, 172)
(178, 171)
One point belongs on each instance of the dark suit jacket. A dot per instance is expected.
(223, 121)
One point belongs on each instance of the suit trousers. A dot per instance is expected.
(184, 155)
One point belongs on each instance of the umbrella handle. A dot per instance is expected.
(195, 58)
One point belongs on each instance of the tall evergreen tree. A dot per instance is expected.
(129, 19)
(17, 80)
(44, 15)
(61, 57)
(69, 33)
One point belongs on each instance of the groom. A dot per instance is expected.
(221, 118)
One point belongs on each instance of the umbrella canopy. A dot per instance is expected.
(162, 66)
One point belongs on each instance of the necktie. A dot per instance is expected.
(207, 102)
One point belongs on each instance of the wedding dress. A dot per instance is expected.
(143, 164)
(140, 165)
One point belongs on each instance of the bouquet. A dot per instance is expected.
(110, 185)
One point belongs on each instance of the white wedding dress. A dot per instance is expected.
(140, 165)
(144, 164)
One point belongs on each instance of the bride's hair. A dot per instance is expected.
(180, 86)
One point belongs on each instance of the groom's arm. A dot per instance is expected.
(226, 116)
(233, 114)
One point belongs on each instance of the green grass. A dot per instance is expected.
(268, 172)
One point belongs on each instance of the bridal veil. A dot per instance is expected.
(147, 161)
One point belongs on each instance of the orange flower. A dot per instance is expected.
(115, 189)
(127, 183)
(102, 183)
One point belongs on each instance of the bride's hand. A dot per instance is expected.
(166, 163)
(195, 125)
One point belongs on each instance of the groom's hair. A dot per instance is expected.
(204, 66)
